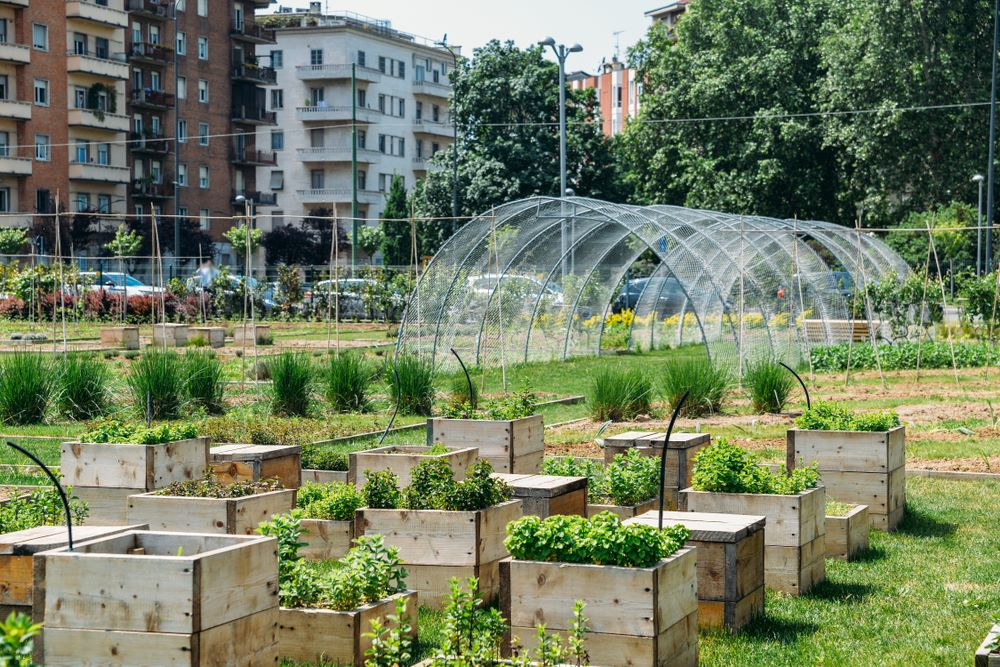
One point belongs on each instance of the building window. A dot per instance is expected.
(104, 203)
(362, 138)
(202, 134)
(277, 59)
(40, 36)
(203, 48)
(182, 87)
(383, 182)
(182, 212)
(277, 99)
(361, 58)
(362, 179)
(203, 177)
(104, 154)
(4, 200)
(202, 7)
(82, 201)
(41, 92)
(277, 180)
(316, 179)
(182, 44)
(277, 140)
(362, 98)
(436, 113)
(390, 145)
(203, 219)
(182, 174)
(182, 131)
(43, 148)
(4, 144)
(82, 151)
(381, 64)
(203, 91)
(315, 56)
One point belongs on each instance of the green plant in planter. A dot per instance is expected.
(391, 643)
(381, 491)
(42, 507)
(433, 486)
(317, 457)
(118, 432)
(334, 501)
(209, 487)
(632, 478)
(507, 408)
(568, 466)
(723, 467)
(825, 416)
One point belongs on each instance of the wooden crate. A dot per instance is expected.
(214, 336)
(681, 451)
(326, 539)
(120, 466)
(215, 604)
(120, 337)
(621, 442)
(323, 476)
(514, 446)
(233, 516)
(794, 535)
(238, 463)
(435, 545)
(863, 468)
(401, 460)
(985, 657)
(105, 506)
(847, 536)
(637, 616)
(248, 332)
(545, 495)
(625, 511)
(336, 637)
(170, 335)
(730, 552)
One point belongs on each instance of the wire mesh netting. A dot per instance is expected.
(537, 279)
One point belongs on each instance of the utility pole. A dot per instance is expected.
(454, 126)
(354, 168)
(993, 123)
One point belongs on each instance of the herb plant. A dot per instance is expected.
(769, 384)
(723, 467)
(42, 507)
(119, 432)
(568, 466)
(415, 391)
(27, 385)
(204, 380)
(825, 416)
(334, 501)
(157, 377)
(632, 478)
(381, 491)
(18, 640)
(319, 457)
(348, 377)
(83, 387)
(391, 643)
(209, 487)
(507, 408)
(706, 384)
(433, 486)
(291, 384)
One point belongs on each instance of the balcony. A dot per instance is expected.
(153, 9)
(14, 3)
(424, 126)
(336, 154)
(253, 157)
(146, 190)
(104, 173)
(258, 198)
(14, 166)
(338, 196)
(98, 120)
(16, 110)
(419, 164)
(151, 99)
(112, 68)
(253, 115)
(432, 89)
(262, 76)
(109, 14)
(321, 113)
(248, 31)
(19, 54)
(154, 54)
(334, 72)
(148, 142)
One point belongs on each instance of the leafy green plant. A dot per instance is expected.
(618, 393)
(433, 486)
(347, 380)
(204, 383)
(318, 457)
(824, 416)
(471, 630)
(42, 507)
(18, 641)
(459, 396)
(632, 478)
(291, 384)
(415, 392)
(723, 467)
(705, 383)
(834, 508)
(391, 643)
(381, 490)
(568, 466)
(431, 482)
(83, 387)
(209, 487)
(506, 408)
(118, 432)
(769, 384)
(27, 385)
(334, 501)
(157, 377)
(478, 490)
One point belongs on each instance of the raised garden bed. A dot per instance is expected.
(627, 487)
(401, 460)
(170, 335)
(681, 450)
(624, 511)
(182, 599)
(546, 495)
(847, 532)
(214, 336)
(328, 519)
(511, 446)
(241, 463)
(126, 338)
(248, 333)
(323, 476)
(988, 654)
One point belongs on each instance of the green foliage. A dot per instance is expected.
(204, 380)
(459, 397)
(237, 237)
(825, 416)
(209, 487)
(12, 239)
(42, 507)
(370, 240)
(431, 482)
(706, 383)
(18, 641)
(391, 643)
(472, 631)
(415, 392)
(126, 243)
(348, 377)
(506, 408)
(333, 501)
(287, 529)
(157, 376)
(478, 490)
(981, 305)
(726, 468)
(118, 432)
(433, 486)
(619, 393)
(381, 490)
(568, 466)
(317, 457)
(769, 385)
(397, 245)
(601, 540)
(83, 387)
(948, 225)
(291, 384)
(27, 385)
(902, 302)
(903, 355)
(632, 478)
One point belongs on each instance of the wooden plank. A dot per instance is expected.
(749, 565)
(15, 580)
(209, 515)
(401, 460)
(105, 506)
(147, 467)
(315, 635)
(848, 451)
(513, 446)
(433, 582)
(624, 511)
(542, 486)
(235, 581)
(795, 570)
(572, 503)
(493, 530)
(707, 526)
(247, 642)
(326, 540)
(323, 476)
(791, 520)
(985, 657)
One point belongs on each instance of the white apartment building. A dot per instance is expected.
(401, 111)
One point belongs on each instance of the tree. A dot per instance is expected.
(953, 243)
(397, 247)
(237, 237)
(125, 245)
(12, 240)
(195, 242)
(369, 241)
(307, 242)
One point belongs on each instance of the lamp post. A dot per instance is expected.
(978, 179)
(993, 122)
(454, 127)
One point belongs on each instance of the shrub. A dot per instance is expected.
(209, 487)
(291, 383)
(381, 491)
(334, 501)
(415, 392)
(198, 340)
(83, 387)
(433, 487)
(158, 375)
(316, 457)
(770, 385)
(619, 393)
(204, 383)
(706, 383)
(42, 507)
(347, 379)
(825, 416)
(27, 384)
(725, 468)
(632, 478)
(118, 432)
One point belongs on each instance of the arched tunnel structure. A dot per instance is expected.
(535, 280)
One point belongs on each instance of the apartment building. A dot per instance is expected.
(399, 108)
(617, 90)
(669, 12)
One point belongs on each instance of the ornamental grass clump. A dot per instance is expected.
(601, 540)
(348, 378)
(619, 393)
(725, 468)
(83, 387)
(433, 487)
(291, 384)
(825, 416)
(204, 380)
(333, 501)
(705, 383)
(769, 385)
(415, 389)
(27, 385)
(156, 382)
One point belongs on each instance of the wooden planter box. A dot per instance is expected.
(215, 336)
(238, 463)
(402, 459)
(323, 476)
(545, 495)
(730, 552)
(847, 536)
(985, 657)
(624, 511)
(646, 617)
(325, 539)
(857, 467)
(794, 536)
(120, 337)
(437, 545)
(233, 516)
(104, 475)
(681, 451)
(336, 637)
(514, 446)
(262, 332)
(130, 599)
(170, 335)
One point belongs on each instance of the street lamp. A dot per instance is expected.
(454, 127)
(978, 178)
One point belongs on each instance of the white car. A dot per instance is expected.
(116, 282)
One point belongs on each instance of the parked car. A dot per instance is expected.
(117, 282)
(234, 285)
(670, 296)
(485, 284)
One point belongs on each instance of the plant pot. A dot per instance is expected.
(401, 460)
(239, 463)
(847, 536)
(985, 656)
(794, 535)
(126, 338)
(233, 516)
(326, 539)
(159, 599)
(337, 637)
(624, 511)
(437, 545)
(249, 334)
(859, 467)
(512, 446)
(637, 616)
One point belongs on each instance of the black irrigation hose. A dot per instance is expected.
(801, 382)
(663, 454)
(59, 488)
(468, 379)
(399, 397)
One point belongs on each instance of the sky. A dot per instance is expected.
(472, 23)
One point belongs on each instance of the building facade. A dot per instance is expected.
(617, 92)
(669, 12)
(396, 111)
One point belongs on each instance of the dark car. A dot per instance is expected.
(670, 297)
